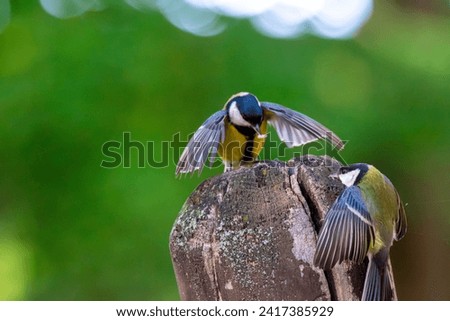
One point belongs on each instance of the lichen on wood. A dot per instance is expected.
(250, 234)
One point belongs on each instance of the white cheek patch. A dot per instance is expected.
(348, 179)
(236, 117)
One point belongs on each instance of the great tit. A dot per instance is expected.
(237, 133)
(363, 221)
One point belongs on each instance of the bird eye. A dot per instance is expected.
(344, 170)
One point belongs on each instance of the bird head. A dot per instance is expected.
(353, 174)
(245, 110)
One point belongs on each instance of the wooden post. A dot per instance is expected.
(251, 234)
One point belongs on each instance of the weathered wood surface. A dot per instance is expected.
(251, 234)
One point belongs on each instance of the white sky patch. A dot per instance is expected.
(338, 19)
(71, 8)
(342, 21)
(235, 8)
(292, 18)
(287, 18)
(199, 21)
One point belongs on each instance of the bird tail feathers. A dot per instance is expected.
(377, 286)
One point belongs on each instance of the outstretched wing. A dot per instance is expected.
(296, 129)
(347, 231)
(205, 141)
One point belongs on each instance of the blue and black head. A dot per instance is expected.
(244, 110)
(352, 174)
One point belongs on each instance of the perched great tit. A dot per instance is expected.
(363, 221)
(237, 133)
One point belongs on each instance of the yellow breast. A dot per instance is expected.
(237, 150)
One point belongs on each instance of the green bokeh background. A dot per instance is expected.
(71, 230)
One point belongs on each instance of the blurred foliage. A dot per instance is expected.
(71, 230)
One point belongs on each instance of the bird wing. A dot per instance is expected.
(205, 141)
(400, 221)
(400, 224)
(296, 129)
(347, 231)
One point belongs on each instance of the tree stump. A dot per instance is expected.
(250, 234)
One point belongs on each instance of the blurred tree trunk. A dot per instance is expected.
(250, 234)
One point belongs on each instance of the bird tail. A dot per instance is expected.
(378, 283)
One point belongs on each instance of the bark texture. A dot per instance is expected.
(251, 234)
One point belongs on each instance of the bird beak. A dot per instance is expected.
(257, 129)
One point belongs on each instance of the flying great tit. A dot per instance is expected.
(363, 221)
(237, 133)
